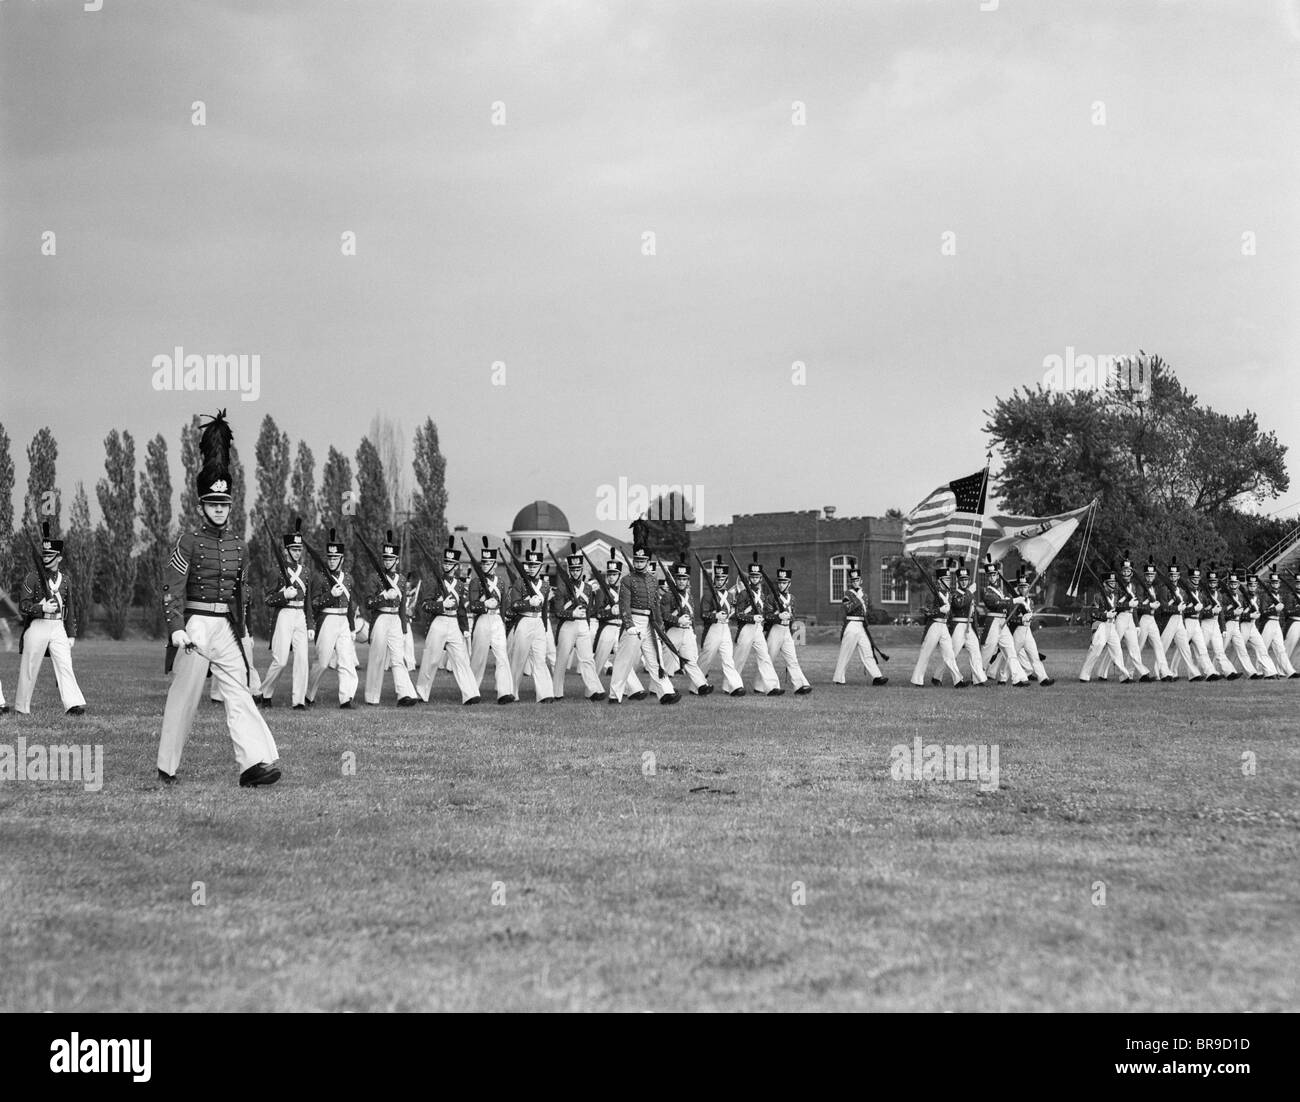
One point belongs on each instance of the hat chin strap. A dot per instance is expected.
(207, 505)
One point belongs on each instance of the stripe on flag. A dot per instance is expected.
(948, 521)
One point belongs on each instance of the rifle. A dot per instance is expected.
(280, 560)
(521, 578)
(432, 560)
(610, 600)
(925, 577)
(478, 566)
(375, 560)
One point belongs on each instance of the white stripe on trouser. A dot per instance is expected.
(1255, 643)
(254, 681)
(751, 637)
(490, 637)
(1001, 639)
(718, 644)
(215, 646)
(1175, 635)
(1214, 644)
(1126, 629)
(386, 646)
(40, 636)
(1148, 632)
(684, 640)
(780, 646)
(1201, 662)
(575, 638)
(528, 649)
(334, 648)
(638, 639)
(290, 630)
(1234, 642)
(606, 645)
(1105, 638)
(408, 646)
(1027, 652)
(445, 632)
(2, 696)
(965, 637)
(1275, 647)
(936, 636)
(855, 639)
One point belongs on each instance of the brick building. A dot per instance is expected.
(817, 546)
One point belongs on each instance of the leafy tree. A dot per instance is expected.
(374, 512)
(429, 500)
(303, 486)
(334, 501)
(6, 514)
(156, 519)
(116, 494)
(272, 456)
(42, 459)
(82, 553)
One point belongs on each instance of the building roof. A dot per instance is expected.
(588, 538)
(540, 516)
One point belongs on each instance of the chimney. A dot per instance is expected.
(829, 510)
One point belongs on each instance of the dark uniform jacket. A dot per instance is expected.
(449, 590)
(322, 597)
(379, 605)
(717, 606)
(525, 588)
(676, 605)
(33, 593)
(751, 602)
(479, 594)
(208, 565)
(639, 593)
(572, 606)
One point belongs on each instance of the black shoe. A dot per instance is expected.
(407, 701)
(1148, 677)
(507, 699)
(598, 696)
(472, 700)
(551, 700)
(1126, 681)
(803, 690)
(1212, 677)
(638, 696)
(1291, 677)
(612, 700)
(258, 775)
(880, 681)
(346, 704)
(1033, 677)
(77, 710)
(1232, 676)
(166, 778)
(1020, 685)
(961, 684)
(777, 692)
(1169, 677)
(704, 690)
(5, 708)
(1256, 676)
(669, 698)
(1047, 681)
(1198, 677)
(262, 701)
(300, 707)
(737, 692)
(1145, 678)
(936, 681)
(310, 703)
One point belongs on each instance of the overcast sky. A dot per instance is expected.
(522, 243)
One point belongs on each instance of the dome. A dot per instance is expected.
(540, 516)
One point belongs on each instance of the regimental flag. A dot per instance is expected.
(948, 521)
(1035, 539)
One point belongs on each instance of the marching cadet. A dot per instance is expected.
(961, 608)
(551, 629)
(449, 606)
(1212, 614)
(1236, 612)
(250, 656)
(203, 600)
(289, 626)
(638, 607)
(938, 636)
(1149, 603)
(53, 619)
(1175, 633)
(1274, 607)
(609, 625)
(335, 610)
(853, 632)
(751, 613)
(414, 583)
(1125, 626)
(570, 605)
(529, 599)
(489, 632)
(678, 613)
(1105, 636)
(1020, 620)
(717, 610)
(780, 638)
(999, 638)
(1292, 632)
(388, 624)
(1194, 610)
(1250, 630)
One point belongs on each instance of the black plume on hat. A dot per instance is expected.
(213, 480)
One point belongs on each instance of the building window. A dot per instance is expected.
(893, 586)
(517, 546)
(839, 577)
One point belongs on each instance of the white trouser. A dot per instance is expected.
(215, 646)
(751, 637)
(780, 646)
(965, 637)
(444, 632)
(1027, 651)
(334, 648)
(1234, 642)
(490, 637)
(290, 631)
(638, 639)
(387, 646)
(855, 639)
(936, 635)
(42, 635)
(408, 646)
(254, 681)
(1149, 632)
(1126, 629)
(575, 637)
(684, 640)
(1275, 647)
(1213, 636)
(1292, 641)
(1255, 644)
(1175, 634)
(718, 644)
(1105, 638)
(1201, 663)
(528, 650)
(1001, 639)
(606, 644)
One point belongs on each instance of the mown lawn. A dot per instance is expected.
(521, 858)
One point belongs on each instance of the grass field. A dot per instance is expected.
(519, 858)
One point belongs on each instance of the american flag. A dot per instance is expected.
(949, 521)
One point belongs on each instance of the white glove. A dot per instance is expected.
(337, 590)
(683, 621)
(311, 635)
(390, 594)
(72, 641)
(181, 639)
(579, 613)
(49, 604)
(785, 617)
(534, 601)
(449, 604)
(491, 602)
(288, 592)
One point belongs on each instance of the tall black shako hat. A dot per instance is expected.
(783, 574)
(681, 571)
(333, 546)
(389, 548)
(450, 556)
(49, 545)
(575, 559)
(294, 538)
(214, 481)
(488, 556)
(755, 570)
(532, 556)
